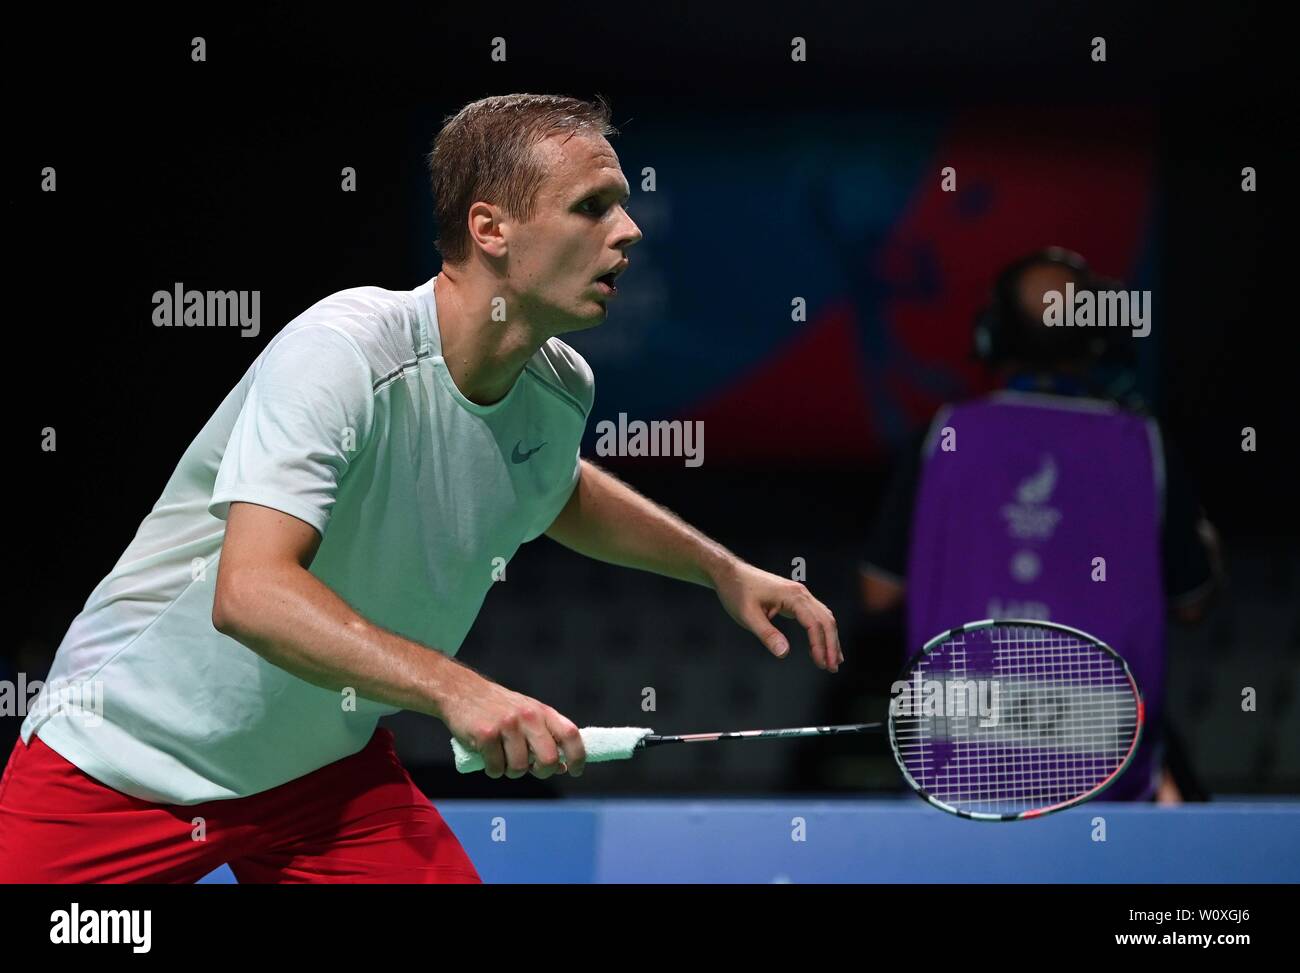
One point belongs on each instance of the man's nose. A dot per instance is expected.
(631, 234)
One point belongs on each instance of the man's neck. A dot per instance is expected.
(485, 357)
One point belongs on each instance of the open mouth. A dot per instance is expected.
(608, 281)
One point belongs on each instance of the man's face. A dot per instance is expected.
(579, 231)
(1054, 348)
(1039, 280)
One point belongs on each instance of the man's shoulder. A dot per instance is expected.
(383, 326)
(559, 366)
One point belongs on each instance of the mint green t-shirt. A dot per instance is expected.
(350, 421)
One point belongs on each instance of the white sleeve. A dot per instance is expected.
(308, 414)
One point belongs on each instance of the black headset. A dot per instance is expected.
(1003, 330)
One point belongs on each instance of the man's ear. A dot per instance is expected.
(486, 224)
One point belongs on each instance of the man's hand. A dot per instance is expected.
(753, 598)
(608, 520)
(505, 726)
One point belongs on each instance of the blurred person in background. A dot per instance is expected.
(1006, 505)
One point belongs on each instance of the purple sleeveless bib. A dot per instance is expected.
(1018, 494)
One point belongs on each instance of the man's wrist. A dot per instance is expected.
(717, 565)
(445, 679)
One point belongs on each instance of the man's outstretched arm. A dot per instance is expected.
(606, 519)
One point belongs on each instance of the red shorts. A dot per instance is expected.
(359, 819)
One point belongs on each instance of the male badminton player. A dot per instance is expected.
(327, 539)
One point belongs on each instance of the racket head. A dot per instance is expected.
(1028, 718)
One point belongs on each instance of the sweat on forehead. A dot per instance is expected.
(581, 167)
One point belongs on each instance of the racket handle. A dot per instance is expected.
(602, 743)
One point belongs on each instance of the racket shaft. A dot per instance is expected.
(800, 731)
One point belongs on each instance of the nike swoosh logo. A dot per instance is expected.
(522, 457)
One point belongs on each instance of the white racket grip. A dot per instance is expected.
(601, 743)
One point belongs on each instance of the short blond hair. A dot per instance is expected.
(486, 152)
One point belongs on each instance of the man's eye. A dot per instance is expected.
(591, 205)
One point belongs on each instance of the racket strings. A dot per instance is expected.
(1054, 718)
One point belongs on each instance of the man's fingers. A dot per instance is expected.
(566, 734)
(830, 637)
(808, 618)
(834, 630)
(819, 623)
(545, 753)
(533, 739)
(494, 759)
(761, 596)
(767, 633)
(515, 745)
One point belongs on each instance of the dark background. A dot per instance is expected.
(225, 175)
